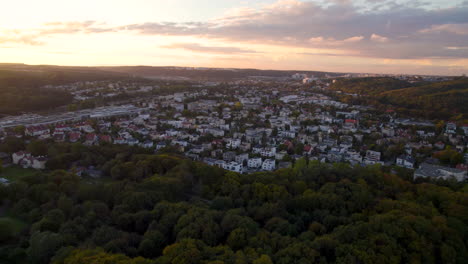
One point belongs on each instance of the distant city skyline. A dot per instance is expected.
(371, 36)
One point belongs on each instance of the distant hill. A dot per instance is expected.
(38, 75)
(59, 74)
(205, 74)
(369, 85)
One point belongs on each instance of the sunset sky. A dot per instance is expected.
(381, 36)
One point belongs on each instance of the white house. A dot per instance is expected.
(257, 149)
(324, 128)
(233, 166)
(86, 128)
(353, 156)
(193, 137)
(287, 134)
(254, 163)
(178, 107)
(268, 165)
(216, 132)
(233, 143)
(132, 141)
(268, 152)
(147, 144)
(161, 145)
(179, 97)
(172, 132)
(372, 157)
(34, 131)
(405, 161)
(18, 156)
(198, 149)
(451, 128)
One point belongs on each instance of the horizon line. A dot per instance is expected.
(259, 69)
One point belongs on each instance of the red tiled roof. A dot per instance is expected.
(351, 121)
(91, 136)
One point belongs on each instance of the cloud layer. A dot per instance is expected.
(379, 29)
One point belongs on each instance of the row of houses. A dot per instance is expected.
(253, 164)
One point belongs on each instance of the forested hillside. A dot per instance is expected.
(205, 74)
(441, 96)
(164, 209)
(369, 86)
(435, 100)
(21, 86)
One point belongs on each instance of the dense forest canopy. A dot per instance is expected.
(164, 209)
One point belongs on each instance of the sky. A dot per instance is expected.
(374, 36)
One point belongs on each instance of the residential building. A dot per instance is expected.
(233, 166)
(254, 163)
(405, 161)
(426, 170)
(268, 165)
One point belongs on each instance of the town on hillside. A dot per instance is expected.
(246, 126)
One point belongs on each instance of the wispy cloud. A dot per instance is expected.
(378, 38)
(33, 36)
(334, 42)
(19, 38)
(457, 48)
(209, 49)
(459, 29)
(74, 27)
